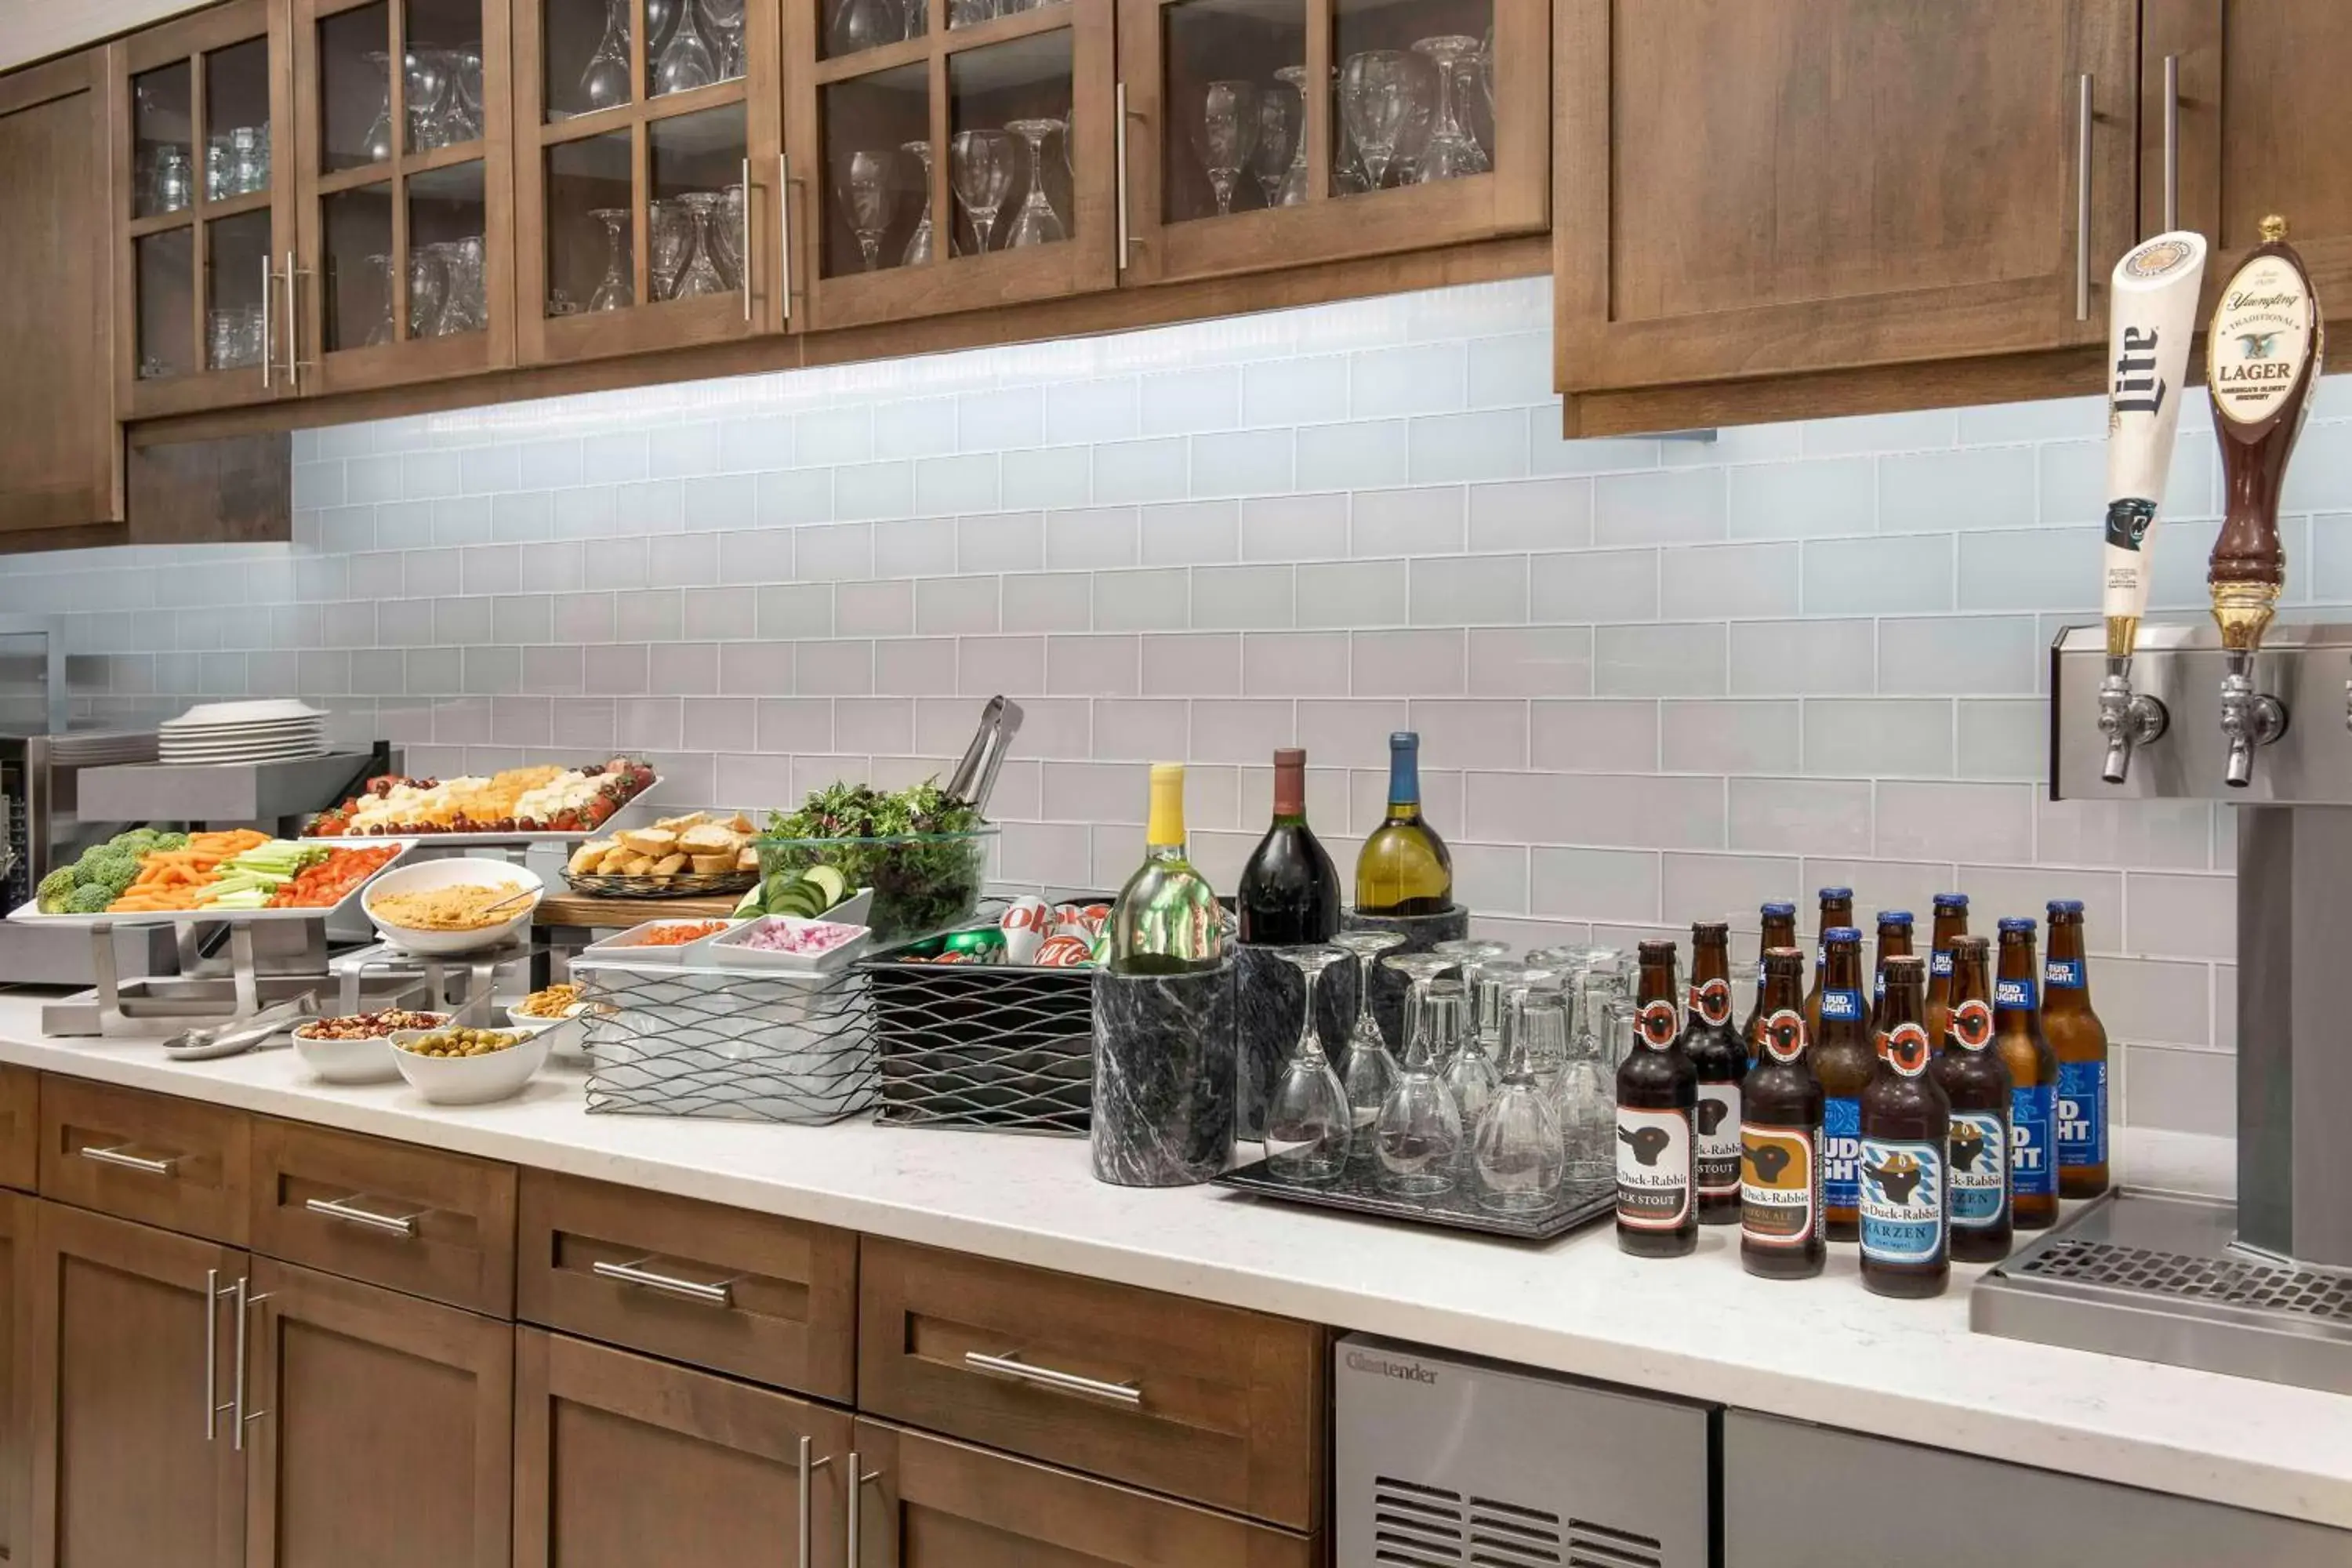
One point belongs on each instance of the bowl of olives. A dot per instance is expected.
(468, 1066)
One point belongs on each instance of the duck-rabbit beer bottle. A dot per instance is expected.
(1906, 1129)
(1712, 1043)
(1657, 1101)
(1782, 1232)
(1976, 1084)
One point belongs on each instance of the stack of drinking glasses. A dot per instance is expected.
(1404, 113)
(236, 163)
(233, 337)
(875, 186)
(446, 288)
(1507, 1089)
(694, 44)
(445, 98)
(696, 247)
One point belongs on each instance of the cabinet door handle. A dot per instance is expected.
(809, 1468)
(268, 347)
(859, 1477)
(295, 363)
(2172, 143)
(212, 1344)
(2083, 200)
(784, 226)
(245, 1299)
(118, 1157)
(348, 1211)
(743, 250)
(721, 1294)
(1011, 1366)
(1127, 241)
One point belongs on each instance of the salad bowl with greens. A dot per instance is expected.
(924, 854)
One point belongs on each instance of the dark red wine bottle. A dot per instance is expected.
(1289, 895)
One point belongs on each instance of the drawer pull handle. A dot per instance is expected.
(120, 1155)
(346, 1210)
(809, 1468)
(1046, 1377)
(721, 1294)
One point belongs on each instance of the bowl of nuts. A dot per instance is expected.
(358, 1049)
(468, 1066)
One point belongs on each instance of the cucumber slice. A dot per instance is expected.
(830, 881)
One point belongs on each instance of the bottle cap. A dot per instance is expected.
(1897, 917)
(1846, 893)
(1703, 931)
(1784, 911)
(2016, 923)
(1904, 964)
(1289, 757)
(1951, 902)
(1657, 952)
(1976, 945)
(1841, 933)
(1403, 738)
(2065, 906)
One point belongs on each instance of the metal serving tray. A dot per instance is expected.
(1357, 1191)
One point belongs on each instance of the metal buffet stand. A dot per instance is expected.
(2261, 1287)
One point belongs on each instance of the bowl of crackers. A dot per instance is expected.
(699, 854)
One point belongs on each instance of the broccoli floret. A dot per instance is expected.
(89, 899)
(104, 866)
(170, 841)
(136, 842)
(116, 878)
(55, 889)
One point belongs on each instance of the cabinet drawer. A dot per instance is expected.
(20, 1128)
(770, 1300)
(176, 1164)
(432, 1224)
(1207, 1403)
(936, 1504)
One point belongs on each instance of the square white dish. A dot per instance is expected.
(727, 950)
(630, 944)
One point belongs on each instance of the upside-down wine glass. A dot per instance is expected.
(726, 21)
(429, 88)
(860, 25)
(866, 201)
(1472, 1075)
(1586, 1101)
(980, 164)
(1451, 152)
(464, 308)
(687, 62)
(1516, 1149)
(919, 243)
(379, 276)
(1369, 1071)
(700, 274)
(1375, 100)
(427, 288)
(728, 230)
(1291, 191)
(1036, 223)
(1467, 952)
(1541, 1014)
(1278, 127)
(669, 228)
(1224, 134)
(605, 83)
(616, 290)
(1419, 1135)
(1307, 1128)
(377, 146)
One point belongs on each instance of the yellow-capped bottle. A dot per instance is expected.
(1167, 920)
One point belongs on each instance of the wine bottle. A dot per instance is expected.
(1290, 888)
(1167, 921)
(1404, 868)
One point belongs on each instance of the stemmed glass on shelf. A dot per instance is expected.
(1451, 151)
(700, 274)
(428, 287)
(687, 61)
(378, 274)
(605, 83)
(919, 243)
(376, 145)
(860, 25)
(1516, 1149)
(980, 164)
(1292, 192)
(1418, 1136)
(1224, 134)
(1376, 89)
(1280, 144)
(669, 228)
(1307, 1128)
(866, 185)
(726, 19)
(1369, 1071)
(1472, 1075)
(616, 290)
(1036, 223)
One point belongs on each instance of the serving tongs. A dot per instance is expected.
(974, 779)
(239, 1034)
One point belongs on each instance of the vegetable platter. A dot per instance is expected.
(239, 876)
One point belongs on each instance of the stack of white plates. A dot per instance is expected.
(279, 730)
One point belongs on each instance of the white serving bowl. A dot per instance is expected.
(429, 876)
(469, 1081)
(349, 1062)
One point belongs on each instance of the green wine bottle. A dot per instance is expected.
(1404, 868)
(1167, 920)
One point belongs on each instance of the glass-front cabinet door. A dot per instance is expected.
(203, 210)
(1268, 134)
(648, 170)
(949, 155)
(404, 186)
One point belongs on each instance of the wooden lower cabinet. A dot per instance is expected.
(932, 1503)
(378, 1428)
(622, 1461)
(132, 1349)
(16, 1394)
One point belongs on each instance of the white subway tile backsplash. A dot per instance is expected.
(1418, 378)
(1531, 514)
(1294, 527)
(1676, 660)
(1887, 738)
(1470, 591)
(1674, 506)
(1929, 427)
(1456, 448)
(2169, 835)
(1591, 736)
(1409, 664)
(1004, 541)
(1347, 457)
(1301, 664)
(1424, 522)
(1604, 809)
(1046, 602)
(888, 608)
(967, 483)
(1990, 822)
(1965, 655)
(1092, 539)
(1531, 661)
(1352, 594)
(1729, 736)
(1353, 733)
(913, 666)
(2188, 1091)
(1971, 488)
(1801, 817)
(1192, 664)
(1732, 582)
(1191, 533)
(1129, 471)
(1593, 585)
(943, 606)
(1803, 501)
(2050, 568)
(2180, 916)
(1292, 391)
(1184, 401)
(1142, 601)
(870, 490)
(1888, 575)
(1725, 888)
(1091, 411)
(1236, 598)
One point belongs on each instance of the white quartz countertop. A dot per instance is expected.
(1821, 1350)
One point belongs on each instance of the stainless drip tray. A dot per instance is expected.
(2157, 1277)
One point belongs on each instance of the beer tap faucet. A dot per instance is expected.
(2153, 316)
(2263, 355)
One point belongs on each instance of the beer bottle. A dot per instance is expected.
(1893, 942)
(1841, 1058)
(1951, 924)
(1657, 1099)
(1837, 909)
(2032, 1080)
(1781, 1234)
(1906, 1129)
(2079, 1041)
(1721, 1062)
(1780, 927)
(1976, 1084)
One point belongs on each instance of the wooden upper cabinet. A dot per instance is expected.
(204, 214)
(934, 168)
(1753, 189)
(60, 453)
(1436, 128)
(649, 164)
(2259, 120)
(404, 190)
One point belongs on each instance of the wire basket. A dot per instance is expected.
(999, 1048)
(748, 1048)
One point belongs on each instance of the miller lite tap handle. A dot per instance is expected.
(2155, 314)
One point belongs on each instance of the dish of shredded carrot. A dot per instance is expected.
(460, 908)
(170, 880)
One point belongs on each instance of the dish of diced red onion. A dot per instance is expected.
(822, 937)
